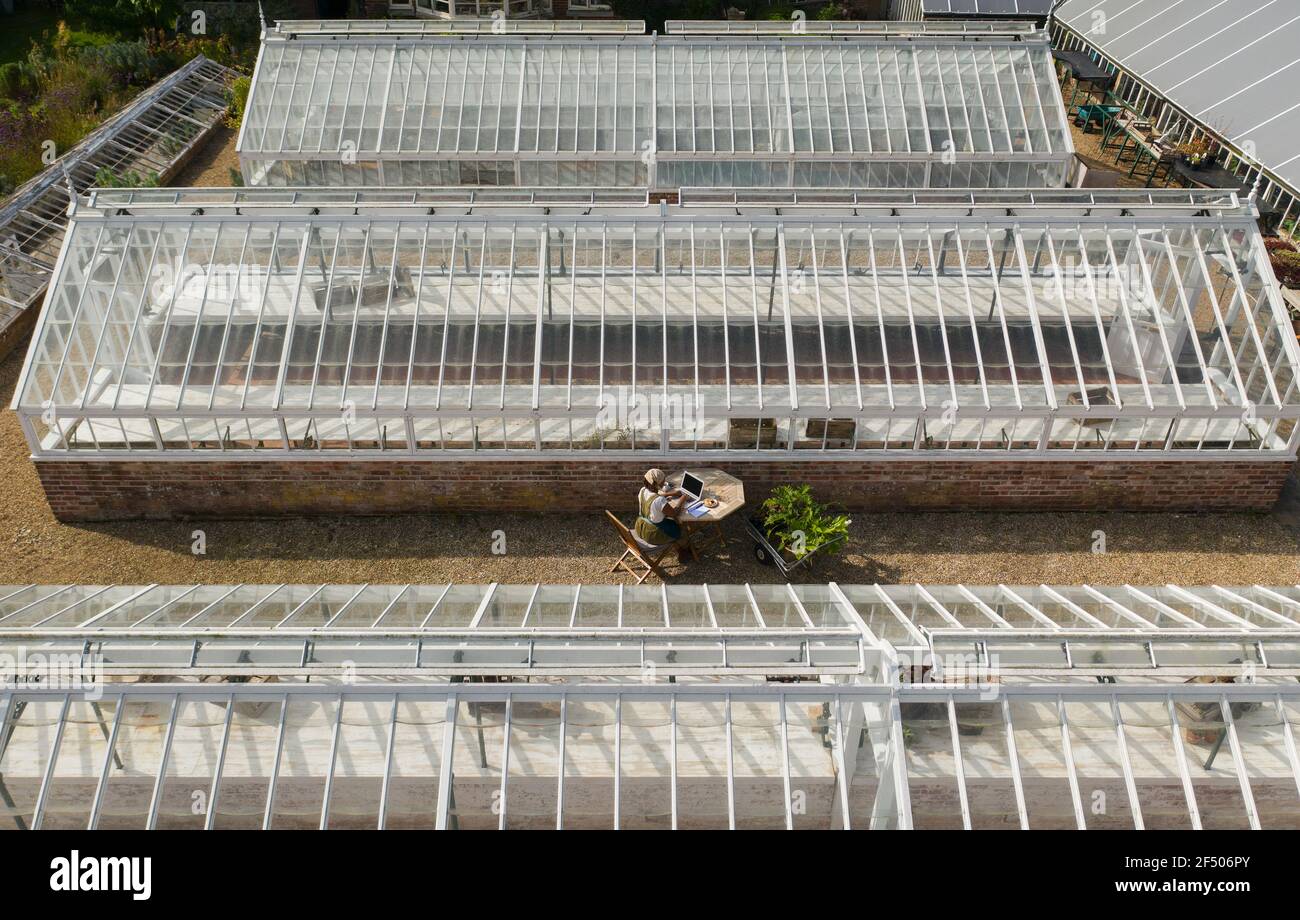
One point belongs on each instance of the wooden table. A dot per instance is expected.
(706, 529)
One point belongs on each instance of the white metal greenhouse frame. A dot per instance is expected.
(979, 326)
(884, 106)
(1022, 736)
(866, 780)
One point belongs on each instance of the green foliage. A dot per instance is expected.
(90, 65)
(238, 101)
(126, 16)
(1286, 265)
(18, 80)
(106, 178)
(790, 511)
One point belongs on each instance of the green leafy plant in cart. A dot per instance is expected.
(791, 511)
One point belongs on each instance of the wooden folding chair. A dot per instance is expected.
(647, 554)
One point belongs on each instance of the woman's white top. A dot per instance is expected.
(656, 506)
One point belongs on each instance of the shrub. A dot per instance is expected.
(791, 511)
(1286, 265)
(238, 101)
(125, 16)
(65, 116)
(124, 63)
(18, 80)
(20, 147)
(106, 178)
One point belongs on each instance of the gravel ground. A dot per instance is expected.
(211, 164)
(936, 548)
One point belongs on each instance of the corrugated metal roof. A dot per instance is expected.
(1231, 64)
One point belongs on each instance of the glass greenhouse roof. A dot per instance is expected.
(1121, 320)
(680, 756)
(606, 630)
(1017, 734)
(796, 29)
(460, 25)
(636, 99)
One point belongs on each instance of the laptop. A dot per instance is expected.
(692, 485)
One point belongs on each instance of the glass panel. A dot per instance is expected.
(1273, 784)
(931, 769)
(1097, 764)
(476, 766)
(1036, 728)
(250, 759)
(871, 763)
(701, 765)
(133, 766)
(191, 765)
(591, 730)
(1149, 737)
(304, 763)
(758, 765)
(1212, 764)
(417, 764)
(645, 765)
(987, 766)
(359, 761)
(532, 789)
(28, 742)
(78, 766)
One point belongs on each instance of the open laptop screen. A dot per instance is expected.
(692, 485)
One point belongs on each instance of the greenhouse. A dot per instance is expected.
(150, 139)
(502, 706)
(890, 106)
(263, 323)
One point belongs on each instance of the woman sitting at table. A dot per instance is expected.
(657, 512)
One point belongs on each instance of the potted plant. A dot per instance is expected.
(795, 526)
(1194, 153)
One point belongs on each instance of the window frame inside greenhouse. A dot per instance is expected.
(768, 108)
(575, 284)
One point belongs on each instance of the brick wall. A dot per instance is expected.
(121, 490)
